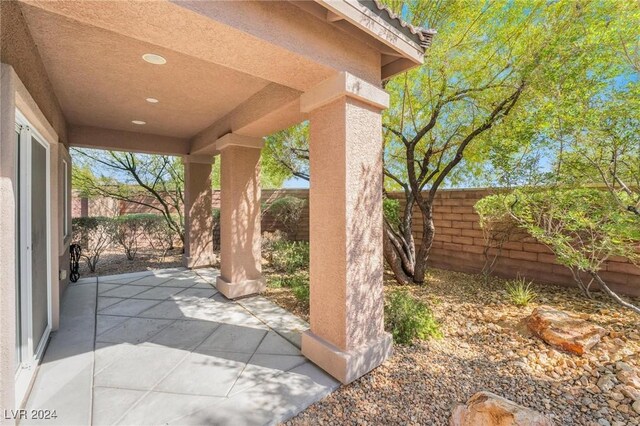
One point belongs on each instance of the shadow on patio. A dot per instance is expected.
(165, 347)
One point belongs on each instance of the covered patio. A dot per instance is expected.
(165, 347)
(206, 81)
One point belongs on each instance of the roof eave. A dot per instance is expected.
(410, 49)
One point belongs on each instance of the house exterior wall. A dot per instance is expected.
(25, 86)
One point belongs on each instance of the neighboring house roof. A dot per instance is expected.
(421, 35)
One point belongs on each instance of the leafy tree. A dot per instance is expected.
(153, 181)
(489, 60)
(583, 227)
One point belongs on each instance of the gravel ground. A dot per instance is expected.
(486, 347)
(113, 261)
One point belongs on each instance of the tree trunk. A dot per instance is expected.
(408, 264)
(428, 232)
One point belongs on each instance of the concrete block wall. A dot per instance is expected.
(459, 245)
(459, 241)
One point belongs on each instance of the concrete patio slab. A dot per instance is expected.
(186, 355)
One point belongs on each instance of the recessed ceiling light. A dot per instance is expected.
(152, 58)
(138, 122)
(152, 100)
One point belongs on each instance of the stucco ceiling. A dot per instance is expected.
(101, 80)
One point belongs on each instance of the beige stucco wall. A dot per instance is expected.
(24, 86)
(8, 190)
(18, 50)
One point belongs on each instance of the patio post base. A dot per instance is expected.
(346, 366)
(198, 262)
(240, 289)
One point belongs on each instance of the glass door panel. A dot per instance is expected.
(39, 249)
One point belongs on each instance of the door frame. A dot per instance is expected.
(31, 351)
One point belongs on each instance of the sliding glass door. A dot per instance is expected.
(33, 284)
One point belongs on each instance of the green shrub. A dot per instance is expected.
(290, 256)
(301, 291)
(407, 318)
(129, 229)
(520, 292)
(297, 282)
(94, 235)
(159, 235)
(286, 212)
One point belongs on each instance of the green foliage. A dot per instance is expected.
(290, 256)
(298, 282)
(289, 150)
(216, 214)
(160, 236)
(286, 211)
(407, 318)
(302, 291)
(520, 292)
(94, 235)
(391, 210)
(129, 229)
(155, 182)
(583, 227)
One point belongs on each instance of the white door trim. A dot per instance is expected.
(32, 354)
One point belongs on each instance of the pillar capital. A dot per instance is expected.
(233, 139)
(343, 84)
(198, 159)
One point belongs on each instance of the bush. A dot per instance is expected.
(286, 212)
(94, 235)
(159, 235)
(407, 318)
(583, 227)
(128, 229)
(290, 256)
(298, 283)
(520, 292)
(269, 240)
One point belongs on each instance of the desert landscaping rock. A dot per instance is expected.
(564, 330)
(421, 384)
(489, 409)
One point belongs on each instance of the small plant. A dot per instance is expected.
(520, 292)
(94, 235)
(159, 235)
(298, 283)
(407, 318)
(300, 287)
(128, 230)
(290, 256)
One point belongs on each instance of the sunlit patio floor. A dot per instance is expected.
(165, 347)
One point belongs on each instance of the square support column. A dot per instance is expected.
(347, 337)
(240, 239)
(198, 212)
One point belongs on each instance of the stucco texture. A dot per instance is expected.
(345, 222)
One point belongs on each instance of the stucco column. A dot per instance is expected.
(240, 251)
(198, 212)
(347, 337)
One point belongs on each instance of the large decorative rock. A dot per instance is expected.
(488, 409)
(563, 330)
